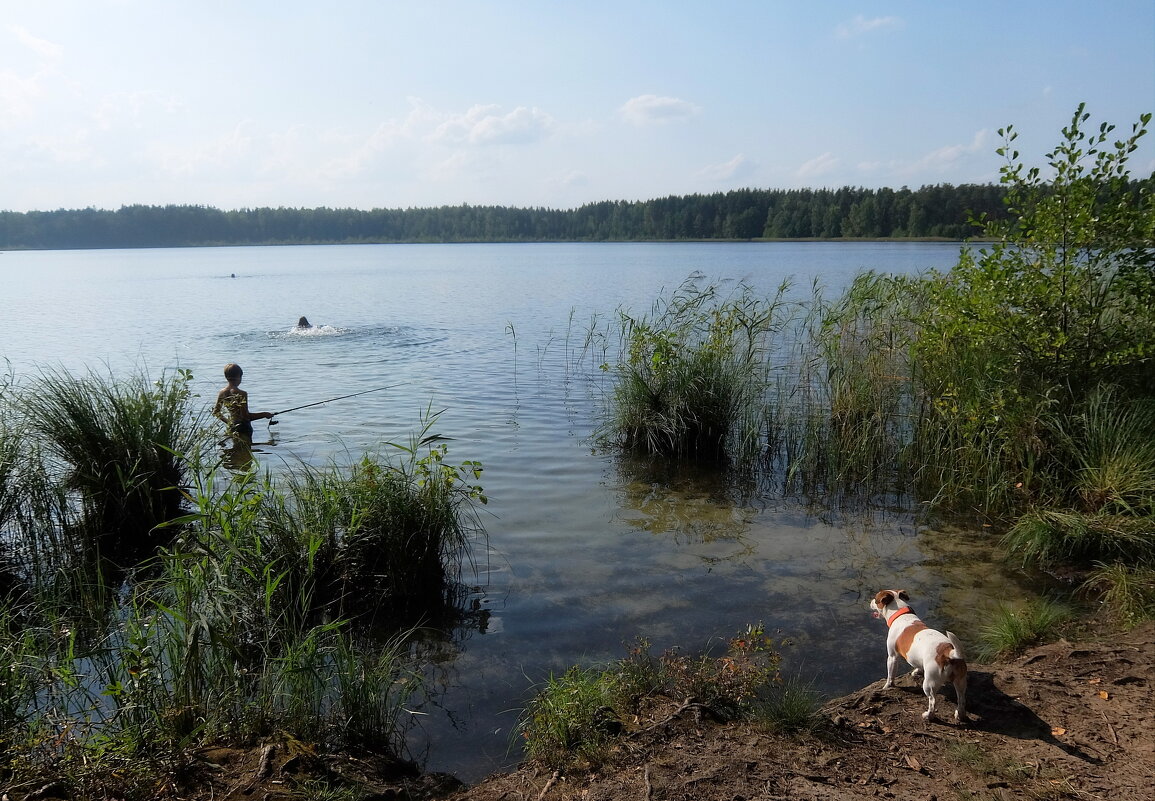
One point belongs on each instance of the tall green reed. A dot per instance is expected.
(120, 445)
(840, 418)
(691, 377)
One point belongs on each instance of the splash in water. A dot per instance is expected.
(315, 330)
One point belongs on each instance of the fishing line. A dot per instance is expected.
(330, 400)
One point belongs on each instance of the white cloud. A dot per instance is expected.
(571, 178)
(485, 125)
(818, 166)
(41, 47)
(941, 160)
(648, 109)
(133, 108)
(946, 156)
(232, 149)
(860, 26)
(18, 96)
(737, 167)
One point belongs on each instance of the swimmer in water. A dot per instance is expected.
(304, 323)
(232, 405)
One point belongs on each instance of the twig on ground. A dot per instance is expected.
(548, 785)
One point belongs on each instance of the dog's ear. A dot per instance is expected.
(884, 598)
(903, 596)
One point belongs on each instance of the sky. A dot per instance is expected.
(543, 103)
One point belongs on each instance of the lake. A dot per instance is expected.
(585, 553)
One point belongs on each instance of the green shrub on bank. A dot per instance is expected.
(575, 719)
(1028, 330)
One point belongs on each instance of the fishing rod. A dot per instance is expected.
(330, 400)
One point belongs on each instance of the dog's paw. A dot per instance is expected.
(928, 716)
(963, 718)
(888, 685)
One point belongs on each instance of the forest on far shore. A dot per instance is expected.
(938, 211)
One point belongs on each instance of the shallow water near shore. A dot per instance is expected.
(583, 552)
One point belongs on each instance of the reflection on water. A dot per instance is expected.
(239, 453)
(689, 505)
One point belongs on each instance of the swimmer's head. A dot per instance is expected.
(233, 372)
(303, 323)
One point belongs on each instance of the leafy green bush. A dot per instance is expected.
(1033, 325)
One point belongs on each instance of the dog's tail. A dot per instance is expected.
(957, 653)
(956, 663)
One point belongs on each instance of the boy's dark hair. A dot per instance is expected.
(233, 370)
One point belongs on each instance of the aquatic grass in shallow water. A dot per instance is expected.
(1110, 440)
(839, 419)
(382, 538)
(691, 375)
(1055, 536)
(121, 445)
(241, 626)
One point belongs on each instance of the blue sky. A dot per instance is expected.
(372, 103)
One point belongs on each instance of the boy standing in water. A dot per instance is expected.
(235, 401)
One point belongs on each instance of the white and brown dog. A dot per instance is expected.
(938, 657)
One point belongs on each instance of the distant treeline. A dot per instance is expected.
(938, 211)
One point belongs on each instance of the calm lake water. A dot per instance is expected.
(584, 552)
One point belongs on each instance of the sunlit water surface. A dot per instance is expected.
(584, 553)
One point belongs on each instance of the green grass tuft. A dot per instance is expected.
(1128, 591)
(1012, 630)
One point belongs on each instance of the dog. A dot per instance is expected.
(938, 657)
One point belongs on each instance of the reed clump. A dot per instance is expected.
(119, 446)
(692, 373)
(381, 540)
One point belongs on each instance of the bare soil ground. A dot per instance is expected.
(1064, 720)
